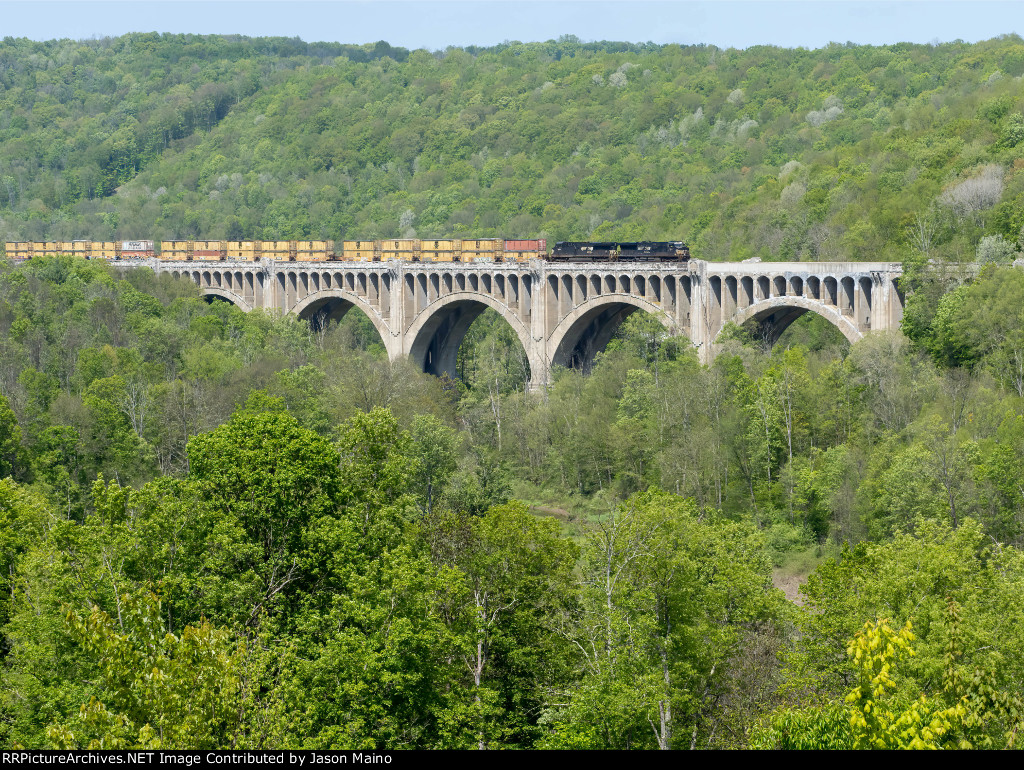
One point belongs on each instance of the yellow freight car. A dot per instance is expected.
(80, 249)
(360, 251)
(242, 251)
(19, 250)
(282, 251)
(481, 249)
(314, 251)
(407, 249)
(176, 251)
(104, 250)
(441, 250)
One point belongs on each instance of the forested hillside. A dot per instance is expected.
(847, 152)
(222, 529)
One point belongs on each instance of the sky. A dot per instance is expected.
(437, 25)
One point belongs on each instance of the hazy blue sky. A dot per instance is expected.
(434, 25)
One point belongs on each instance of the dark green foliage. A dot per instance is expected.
(262, 474)
(12, 453)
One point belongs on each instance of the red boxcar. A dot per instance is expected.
(539, 244)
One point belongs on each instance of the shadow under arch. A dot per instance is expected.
(331, 305)
(588, 329)
(212, 292)
(774, 316)
(437, 332)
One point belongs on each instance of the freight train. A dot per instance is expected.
(407, 249)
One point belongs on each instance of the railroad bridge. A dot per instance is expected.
(563, 314)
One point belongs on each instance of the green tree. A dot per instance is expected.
(12, 453)
(666, 601)
(911, 577)
(22, 521)
(270, 483)
(156, 690)
(878, 713)
(436, 447)
(517, 580)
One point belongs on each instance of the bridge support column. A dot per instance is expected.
(704, 325)
(396, 311)
(536, 298)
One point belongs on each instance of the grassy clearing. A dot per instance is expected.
(793, 568)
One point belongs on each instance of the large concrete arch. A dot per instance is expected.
(588, 329)
(435, 334)
(336, 303)
(780, 312)
(230, 296)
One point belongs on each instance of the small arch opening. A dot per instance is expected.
(814, 287)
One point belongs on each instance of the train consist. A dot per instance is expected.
(407, 249)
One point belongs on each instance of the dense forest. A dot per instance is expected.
(224, 529)
(847, 152)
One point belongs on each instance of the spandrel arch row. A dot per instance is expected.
(562, 315)
(856, 298)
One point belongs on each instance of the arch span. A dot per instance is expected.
(437, 331)
(774, 316)
(588, 329)
(230, 296)
(333, 304)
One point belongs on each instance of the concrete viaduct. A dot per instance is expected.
(563, 314)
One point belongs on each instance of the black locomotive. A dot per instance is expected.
(606, 251)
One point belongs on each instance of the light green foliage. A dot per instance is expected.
(377, 472)
(817, 486)
(22, 520)
(436, 446)
(156, 690)
(369, 665)
(804, 729)
(911, 578)
(931, 478)
(1013, 130)
(995, 248)
(879, 712)
(366, 664)
(876, 721)
(981, 323)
